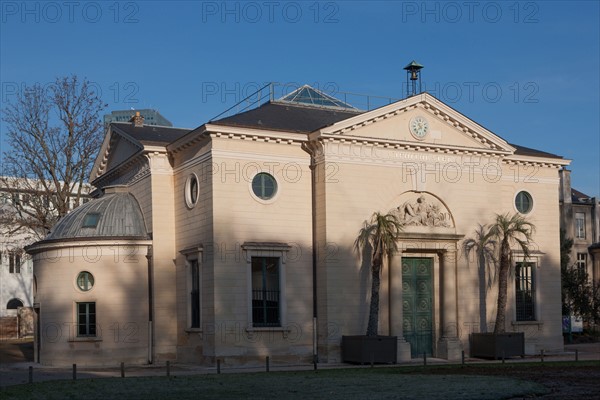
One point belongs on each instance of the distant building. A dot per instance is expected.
(580, 219)
(16, 275)
(16, 269)
(151, 117)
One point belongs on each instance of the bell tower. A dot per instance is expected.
(413, 78)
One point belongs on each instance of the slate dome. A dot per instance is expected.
(115, 214)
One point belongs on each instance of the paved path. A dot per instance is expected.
(15, 361)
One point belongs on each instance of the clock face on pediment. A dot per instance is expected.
(419, 121)
(419, 127)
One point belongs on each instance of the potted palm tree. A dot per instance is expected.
(380, 234)
(507, 230)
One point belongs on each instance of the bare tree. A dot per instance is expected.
(53, 134)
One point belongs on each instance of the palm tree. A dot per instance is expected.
(509, 230)
(484, 246)
(381, 233)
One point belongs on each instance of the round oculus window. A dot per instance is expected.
(192, 191)
(523, 202)
(264, 186)
(85, 281)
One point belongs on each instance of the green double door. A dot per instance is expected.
(417, 304)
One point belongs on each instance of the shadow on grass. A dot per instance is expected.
(380, 383)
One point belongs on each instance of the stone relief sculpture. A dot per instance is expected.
(423, 213)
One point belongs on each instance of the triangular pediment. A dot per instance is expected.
(117, 148)
(420, 120)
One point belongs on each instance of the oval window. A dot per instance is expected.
(192, 190)
(523, 202)
(264, 186)
(85, 281)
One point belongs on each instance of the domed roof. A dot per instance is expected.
(112, 215)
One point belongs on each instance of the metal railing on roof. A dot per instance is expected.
(274, 91)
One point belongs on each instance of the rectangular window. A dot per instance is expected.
(265, 292)
(14, 262)
(86, 319)
(582, 263)
(525, 291)
(195, 295)
(580, 225)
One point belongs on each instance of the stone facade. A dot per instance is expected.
(16, 269)
(580, 219)
(251, 229)
(16, 280)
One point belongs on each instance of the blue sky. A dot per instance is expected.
(528, 71)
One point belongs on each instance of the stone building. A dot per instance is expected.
(234, 240)
(16, 277)
(580, 219)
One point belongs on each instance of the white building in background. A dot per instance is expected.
(16, 267)
(16, 276)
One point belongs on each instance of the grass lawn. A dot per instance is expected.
(377, 383)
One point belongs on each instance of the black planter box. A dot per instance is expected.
(367, 349)
(490, 345)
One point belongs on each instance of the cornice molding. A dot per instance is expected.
(44, 245)
(260, 136)
(114, 134)
(238, 133)
(539, 161)
(430, 105)
(410, 145)
(127, 173)
(260, 157)
(188, 140)
(369, 151)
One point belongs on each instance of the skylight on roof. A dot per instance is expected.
(309, 96)
(90, 220)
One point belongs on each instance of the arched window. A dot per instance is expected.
(13, 304)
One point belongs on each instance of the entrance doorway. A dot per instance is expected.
(417, 304)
